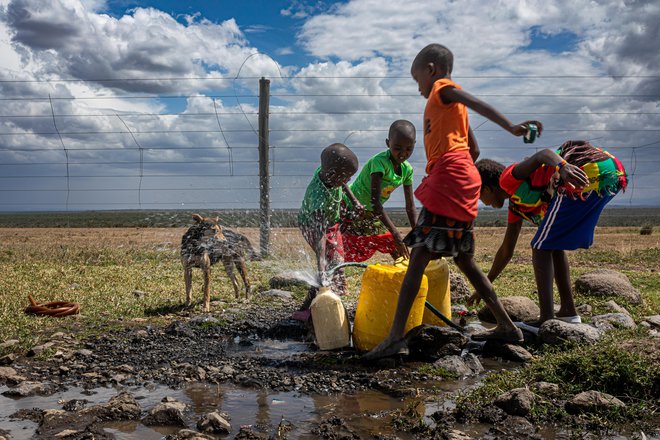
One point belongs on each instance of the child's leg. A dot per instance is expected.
(563, 281)
(419, 259)
(485, 290)
(544, 273)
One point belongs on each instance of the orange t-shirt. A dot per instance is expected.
(445, 125)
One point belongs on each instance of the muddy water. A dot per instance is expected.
(365, 412)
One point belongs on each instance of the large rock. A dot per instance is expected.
(592, 401)
(511, 352)
(167, 413)
(461, 366)
(556, 332)
(214, 423)
(607, 283)
(611, 321)
(429, 342)
(459, 289)
(517, 402)
(28, 388)
(9, 376)
(519, 308)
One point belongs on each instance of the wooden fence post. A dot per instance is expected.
(264, 177)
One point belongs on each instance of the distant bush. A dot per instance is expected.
(646, 229)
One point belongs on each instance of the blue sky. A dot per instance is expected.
(152, 104)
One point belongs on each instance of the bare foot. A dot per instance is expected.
(387, 348)
(505, 335)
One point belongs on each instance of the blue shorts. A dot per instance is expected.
(570, 223)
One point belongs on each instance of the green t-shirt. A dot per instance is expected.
(319, 197)
(380, 163)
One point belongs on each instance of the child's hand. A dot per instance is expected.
(521, 129)
(473, 300)
(401, 248)
(574, 176)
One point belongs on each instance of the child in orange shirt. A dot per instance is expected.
(449, 194)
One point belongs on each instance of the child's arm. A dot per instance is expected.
(474, 146)
(411, 211)
(357, 206)
(452, 94)
(321, 234)
(502, 257)
(569, 173)
(376, 182)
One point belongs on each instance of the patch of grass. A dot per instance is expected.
(621, 364)
(433, 370)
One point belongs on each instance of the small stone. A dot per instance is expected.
(615, 308)
(214, 423)
(592, 401)
(37, 350)
(547, 388)
(584, 309)
(611, 321)
(8, 359)
(9, 343)
(517, 402)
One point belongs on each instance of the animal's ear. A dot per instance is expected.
(217, 219)
(198, 218)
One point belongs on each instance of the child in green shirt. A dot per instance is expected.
(319, 215)
(381, 175)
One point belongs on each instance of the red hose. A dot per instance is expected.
(53, 308)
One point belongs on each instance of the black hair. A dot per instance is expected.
(437, 54)
(490, 172)
(402, 128)
(339, 156)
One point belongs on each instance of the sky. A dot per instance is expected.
(153, 104)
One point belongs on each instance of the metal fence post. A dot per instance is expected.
(264, 177)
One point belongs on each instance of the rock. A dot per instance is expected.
(123, 406)
(74, 404)
(9, 343)
(459, 288)
(214, 423)
(57, 421)
(654, 321)
(461, 366)
(84, 353)
(517, 402)
(8, 359)
(166, 413)
(139, 294)
(509, 352)
(28, 388)
(290, 279)
(455, 434)
(426, 342)
(546, 388)
(555, 332)
(519, 308)
(9, 376)
(611, 321)
(277, 293)
(38, 349)
(592, 401)
(180, 329)
(188, 434)
(607, 283)
(584, 309)
(615, 308)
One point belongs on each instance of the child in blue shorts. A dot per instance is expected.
(563, 192)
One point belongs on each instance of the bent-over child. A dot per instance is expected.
(373, 231)
(449, 194)
(319, 216)
(562, 192)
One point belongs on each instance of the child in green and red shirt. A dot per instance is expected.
(374, 231)
(561, 192)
